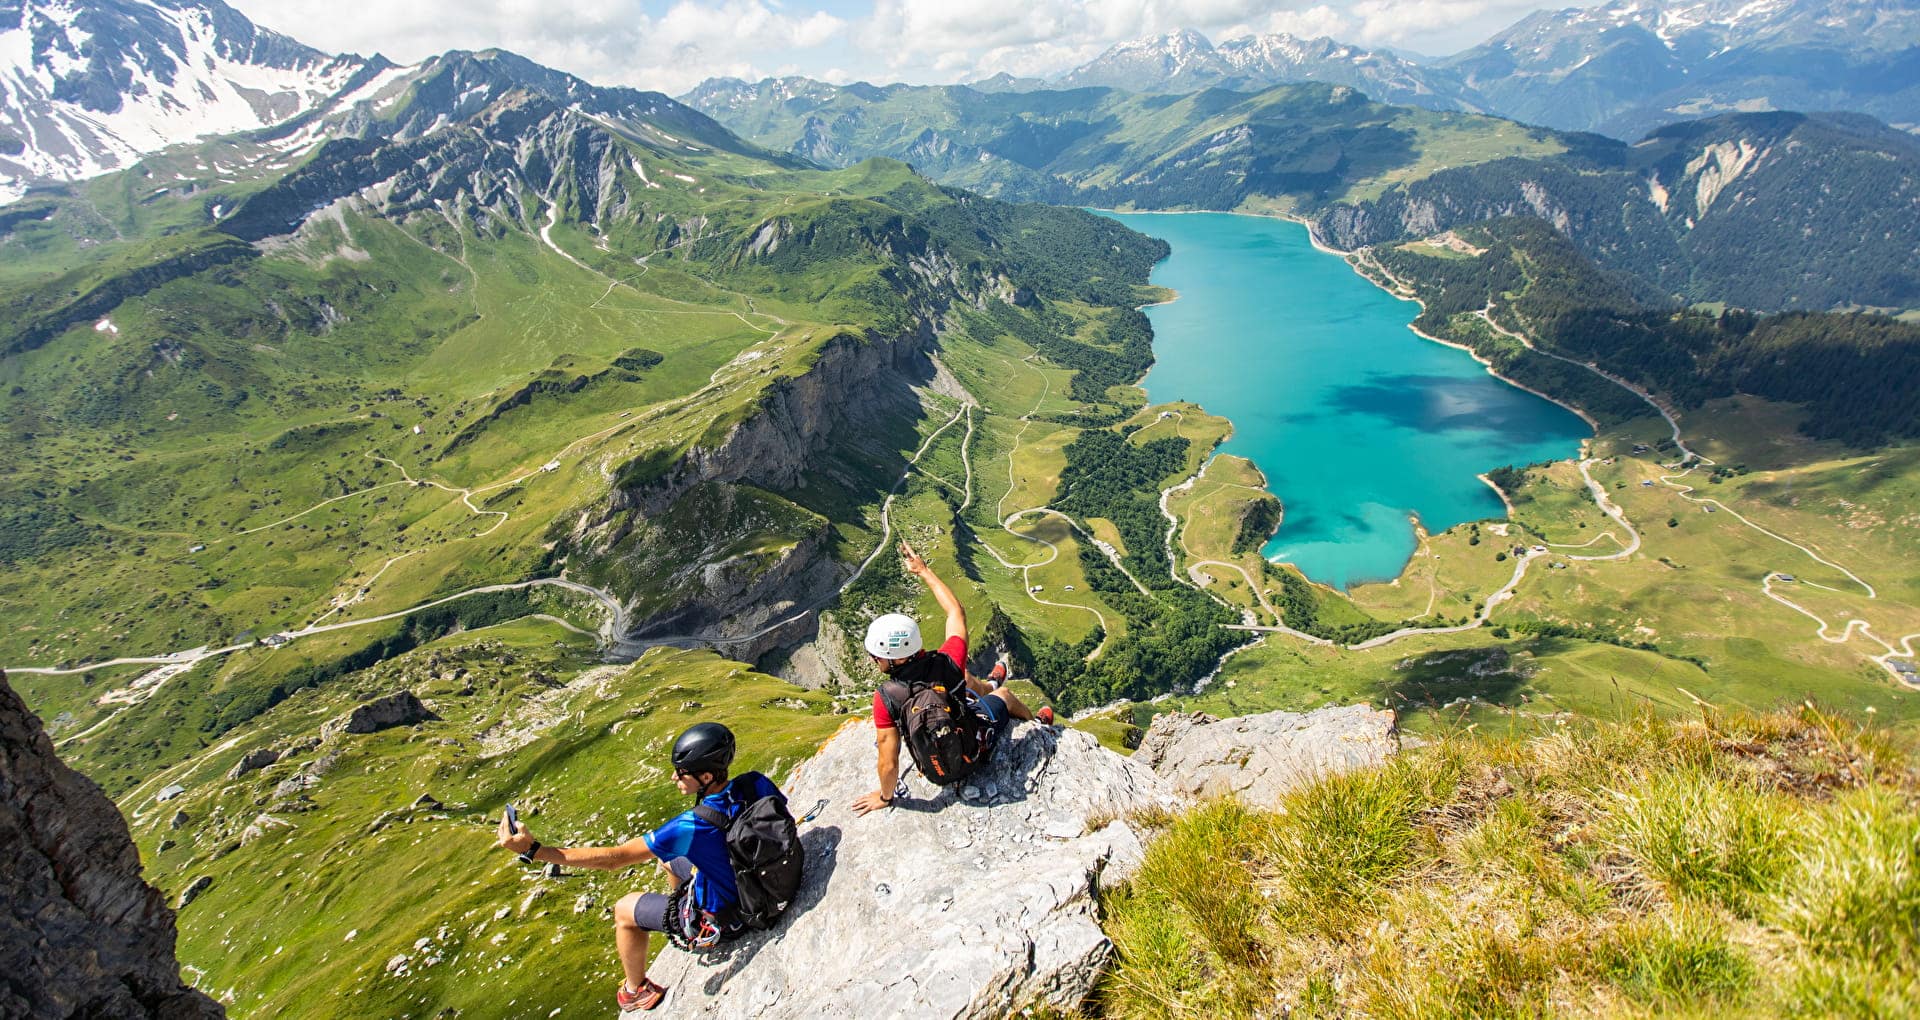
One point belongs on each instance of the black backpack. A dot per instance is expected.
(763, 845)
(949, 741)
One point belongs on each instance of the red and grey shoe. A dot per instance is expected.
(648, 996)
(999, 674)
(1045, 715)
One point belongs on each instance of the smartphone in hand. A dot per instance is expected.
(513, 819)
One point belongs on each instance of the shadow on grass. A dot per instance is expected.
(1437, 680)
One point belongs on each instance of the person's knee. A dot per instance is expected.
(623, 911)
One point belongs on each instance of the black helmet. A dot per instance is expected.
(705, 747)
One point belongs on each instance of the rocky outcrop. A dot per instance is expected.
(1258, 758)
(253, 761)
(400, 709)
(81, 934)
(973, 901)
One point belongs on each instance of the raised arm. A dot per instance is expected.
(956, 613)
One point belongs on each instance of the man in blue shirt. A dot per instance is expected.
(692, 850)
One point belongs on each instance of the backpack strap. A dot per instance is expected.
(740, 789)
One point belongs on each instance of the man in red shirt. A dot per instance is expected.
(892, 642)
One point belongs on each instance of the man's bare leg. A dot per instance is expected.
(631, 940)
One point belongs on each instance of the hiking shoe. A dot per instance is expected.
(647, 997)
(999, 674)
(1045, 715)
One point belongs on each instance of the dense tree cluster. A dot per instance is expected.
(1258, 522)
(1174, 636)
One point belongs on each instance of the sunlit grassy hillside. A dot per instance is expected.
(1750, 866)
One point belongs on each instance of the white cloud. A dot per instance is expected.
(671, 45)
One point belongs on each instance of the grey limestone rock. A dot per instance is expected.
(80, 933)
(399, 709)
(253, 761)
(938, 907)
(1260, 757)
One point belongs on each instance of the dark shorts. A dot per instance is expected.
(656, 911)
(994, 709)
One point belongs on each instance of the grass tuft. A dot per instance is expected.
(1679, 957)
(1700, 837)
(1855, 891)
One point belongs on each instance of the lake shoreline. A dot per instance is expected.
(1345, 546)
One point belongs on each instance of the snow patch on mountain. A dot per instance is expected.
(89, 87)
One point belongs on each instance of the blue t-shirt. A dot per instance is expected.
(705, 844)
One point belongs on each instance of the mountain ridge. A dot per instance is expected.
(91, 85)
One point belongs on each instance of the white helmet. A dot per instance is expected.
(893, 636)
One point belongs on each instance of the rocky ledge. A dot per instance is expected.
(1258, 758)
(969, 901)
(979, 900)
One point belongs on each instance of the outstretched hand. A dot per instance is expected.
(514, 836)
(912, 562)
(871, 802)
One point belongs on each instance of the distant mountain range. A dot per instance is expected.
(1619, 68)
(1624, 67)
(91, 85)
(1185, 61)
(1769, 211)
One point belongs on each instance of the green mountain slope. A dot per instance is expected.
(1765, 211)
(1762, 211)
(487, 327)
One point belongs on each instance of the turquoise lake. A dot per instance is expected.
(1357, 422)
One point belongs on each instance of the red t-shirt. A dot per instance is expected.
(955, 649)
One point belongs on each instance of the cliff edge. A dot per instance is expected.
(81, 934)
(968, 901)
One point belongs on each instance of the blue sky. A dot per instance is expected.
(671, 45)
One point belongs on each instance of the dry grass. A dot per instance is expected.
(1730, 866)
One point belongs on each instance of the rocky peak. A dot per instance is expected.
(979, 900)
(81, 934)
(968, 901)
(88, 86)
(1258, 758)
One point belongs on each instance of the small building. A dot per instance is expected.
(1904, 667)
(1708, 508)
(275, 640)
(1639, 447)
(1539, 549)
(1037, 589)
(1647, 484)
(198, 548)
(169, 793)
(552, 465)
(1069, 587)
(1784, 577)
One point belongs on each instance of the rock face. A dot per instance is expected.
(80, 933)
(253, 761)
(961, 902)
(401, 709)
(1260, 757)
